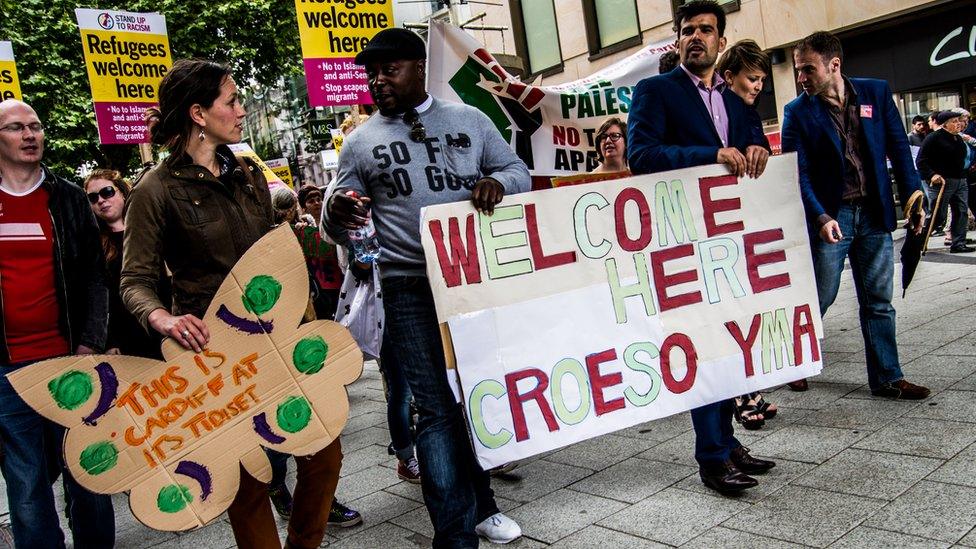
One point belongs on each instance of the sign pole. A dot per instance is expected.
(145, 153)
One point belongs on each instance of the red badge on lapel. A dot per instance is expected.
(867, 111)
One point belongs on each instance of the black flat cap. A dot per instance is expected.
(393, 44)
(945, 116)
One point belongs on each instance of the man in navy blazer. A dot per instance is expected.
(686, 118)
(842, 129)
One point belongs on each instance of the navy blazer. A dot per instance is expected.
(669, 128)
(808, 130)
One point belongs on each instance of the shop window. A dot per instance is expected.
(611, 26)
(923, 103)
(537, 35)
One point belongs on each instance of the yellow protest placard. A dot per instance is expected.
(281, 168)
(9, 82)
(332, 33)
(337, 137)
(243, 150)
(126, 56)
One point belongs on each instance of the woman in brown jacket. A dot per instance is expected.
(197, 212)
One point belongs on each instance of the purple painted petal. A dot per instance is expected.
(242, 324)
(198, 473)
(262, 428)
(110, 390)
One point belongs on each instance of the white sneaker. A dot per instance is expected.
(503, 469)
(498, 529)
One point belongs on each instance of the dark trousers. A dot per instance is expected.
(955, 197)
(457, 491)
(714, 437)
(279, 468)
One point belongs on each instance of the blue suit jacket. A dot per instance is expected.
(669, 128)
(808, 131)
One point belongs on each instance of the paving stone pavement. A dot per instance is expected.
(854, 470)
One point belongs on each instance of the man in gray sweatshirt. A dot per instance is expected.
(417, 152)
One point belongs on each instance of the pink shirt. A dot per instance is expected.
(712, 97)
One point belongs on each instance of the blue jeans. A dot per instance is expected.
(398, 397)
(869, 247)
(457, 491)
(32, 461)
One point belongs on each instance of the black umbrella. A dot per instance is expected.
(915, 245)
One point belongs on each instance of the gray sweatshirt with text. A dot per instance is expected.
(379, 160)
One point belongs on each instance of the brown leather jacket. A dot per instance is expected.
(181, 215)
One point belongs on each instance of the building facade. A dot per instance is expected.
(279, 125)
(925, 49)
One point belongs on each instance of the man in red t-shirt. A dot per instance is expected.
(53, 302)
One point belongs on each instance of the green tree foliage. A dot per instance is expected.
(257, 38)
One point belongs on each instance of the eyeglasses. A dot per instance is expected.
(17, 127)
(417, 130)
(613, 136)
(105, 192)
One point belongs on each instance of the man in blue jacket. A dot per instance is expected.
(688, 117)
(842, 129)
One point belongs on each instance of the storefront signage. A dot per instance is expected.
(937, 58)
(921, 51)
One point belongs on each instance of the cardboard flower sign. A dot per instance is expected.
(173, 433)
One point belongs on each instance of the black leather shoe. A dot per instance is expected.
(748, 464)
(963, 249)
(725, 478)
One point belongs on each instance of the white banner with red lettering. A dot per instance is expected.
(579, 311)
(552, 128)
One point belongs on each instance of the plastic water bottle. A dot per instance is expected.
(365, 245)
